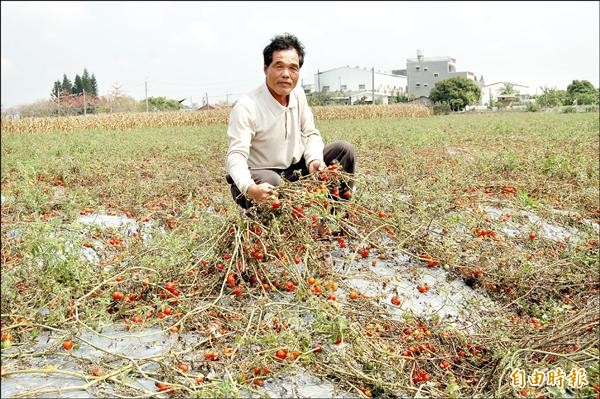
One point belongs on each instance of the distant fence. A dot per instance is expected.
(212, 117)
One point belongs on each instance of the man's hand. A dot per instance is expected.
(316, 166)
(260, 192)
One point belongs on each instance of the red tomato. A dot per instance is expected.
(118, 296)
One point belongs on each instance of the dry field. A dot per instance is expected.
(212, 117)
(468, 260)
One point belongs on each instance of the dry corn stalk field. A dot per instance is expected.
(465, 264)
(201, 118)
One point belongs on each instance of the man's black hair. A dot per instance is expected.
(285, 41)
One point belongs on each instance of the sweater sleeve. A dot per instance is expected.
(313, 142)
(240, 132)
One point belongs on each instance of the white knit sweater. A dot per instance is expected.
(263, 134)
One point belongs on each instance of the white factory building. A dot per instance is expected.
(356, 83)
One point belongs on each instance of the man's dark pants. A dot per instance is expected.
(340, 151)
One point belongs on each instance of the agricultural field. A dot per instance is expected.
(464, 263)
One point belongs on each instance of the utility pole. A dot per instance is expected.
(372, 85)
(146, 85)
(58, 104)
(318, 81)
(191, 103)
(84, 107)
(206, 100)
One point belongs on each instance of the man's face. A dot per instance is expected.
(283, 73)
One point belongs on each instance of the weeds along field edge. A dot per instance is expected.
(506, 204)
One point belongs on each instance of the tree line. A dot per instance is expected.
(579, 92)
(81, 84)
(79, 97)
(453, 94)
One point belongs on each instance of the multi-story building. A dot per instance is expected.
(357, 83)
(416, 81)
(423, 73)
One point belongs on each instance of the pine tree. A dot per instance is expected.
(67, 86)
(94, 85)
(78, 85)
(86, 82)
(56, 90)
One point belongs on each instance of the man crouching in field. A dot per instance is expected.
(272, 131)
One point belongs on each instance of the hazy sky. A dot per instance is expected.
(187, 49)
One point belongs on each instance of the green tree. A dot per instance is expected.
(161, 104)
(397, 97)
(86, 81)
(94, 86)
(508, 89)
(66, 85)
(582, 92)
(78, 85)
(457, 92)
(361, 101)
(509, 96)
(551, 97)
(56, 90)
(319, 98)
